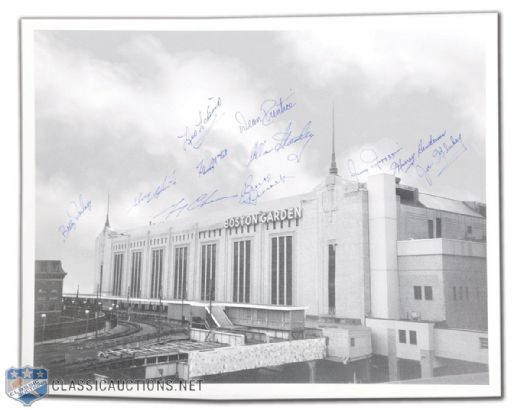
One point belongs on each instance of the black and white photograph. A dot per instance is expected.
(211, 206)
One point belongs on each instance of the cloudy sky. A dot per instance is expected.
(124, 113)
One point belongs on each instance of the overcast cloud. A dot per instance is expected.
(111, 105)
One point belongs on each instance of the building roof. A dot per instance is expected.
(48, 267)
(446, 204)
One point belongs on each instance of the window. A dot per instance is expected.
(352, 342)
(430, 228)
(241, 270)
(332, 279)
(179, 277)
(402, 336)
(438, 228)
(460, 292)
(467, 292)
(135, 275)
(281, 270)
(207, 283)
(454, 293)
(428, 293)
(118, 271)
(413, 337)
(483, 342)
(469, 229)
(417, 294)
(157, 271)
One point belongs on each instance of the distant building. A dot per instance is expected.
(48, 291)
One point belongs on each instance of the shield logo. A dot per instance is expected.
(26, 384)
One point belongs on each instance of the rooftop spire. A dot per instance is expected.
(107, 222)
(333, 170)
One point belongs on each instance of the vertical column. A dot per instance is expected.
(427, 363)
(147, 264)
(382, 225)
(393, 368)
(312, 371)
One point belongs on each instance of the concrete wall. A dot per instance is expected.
(460, 345)
(382, 214)
(337, 216)
(406, 350)
(413, 223)
(176, 311)
(339, 343)
(232, 359)
(468, 275)
(438, 246)
(444, 264)
(421, 270)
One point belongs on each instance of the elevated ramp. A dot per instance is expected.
(219, 317)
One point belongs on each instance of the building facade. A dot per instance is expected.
(345, 251)
(48, 289)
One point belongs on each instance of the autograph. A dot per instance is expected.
(80, 208)
(167, 182)
(194, 136)
(431, 158)
(204, 168)
(269, 111)
(185, 205)
(252, 191)
(282, 140)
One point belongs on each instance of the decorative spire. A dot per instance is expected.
(107, 222)
(333, 170)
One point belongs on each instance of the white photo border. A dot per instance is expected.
(489, 25)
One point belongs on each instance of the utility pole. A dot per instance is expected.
(77, 301)
(211, 295)
(96, 314)
(128, 303)
(182, 302)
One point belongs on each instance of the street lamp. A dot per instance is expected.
(117, 313)
(44, 317)
(96, 314)
(86, 313)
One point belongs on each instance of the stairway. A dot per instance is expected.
(219, 317)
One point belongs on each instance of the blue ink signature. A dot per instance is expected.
(252, 191)
(203, 168)
(79, 209)
(403, 165)
(194, 136)
(168, 181)
(372, 159)
(282, 140)
(421, 147)
(270, 110)
(184, 205)
(444, 156)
